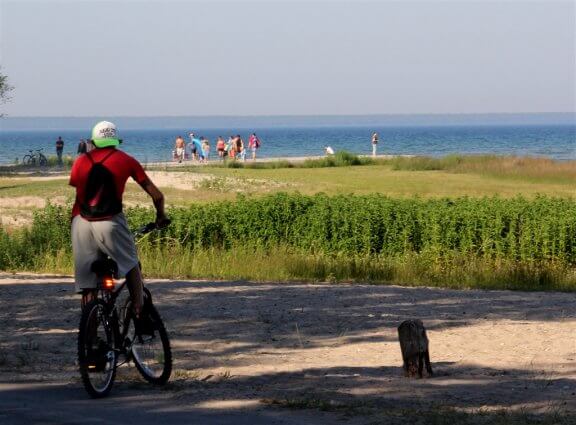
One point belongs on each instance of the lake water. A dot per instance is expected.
(553, 141)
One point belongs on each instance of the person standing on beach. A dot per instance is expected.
(254, 144)
(193, 153)
(240, 151)
(221, 147)
(199, 143)
(374, 143)
(81, 147)
(231, 148)
(206, 149)
(59, 149)
(179, 148)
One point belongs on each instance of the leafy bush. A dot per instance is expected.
(489, 242)
(519, 229)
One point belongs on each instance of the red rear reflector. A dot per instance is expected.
(108, 283)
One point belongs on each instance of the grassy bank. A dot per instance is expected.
(458, 243)
(511, 167)
(283, 263)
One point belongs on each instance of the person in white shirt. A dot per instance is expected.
(328, 150)
(374, 143)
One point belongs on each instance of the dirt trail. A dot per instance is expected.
(239, 343)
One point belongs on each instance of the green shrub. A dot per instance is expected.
(517, 229)
(489, 242)
(340, 159)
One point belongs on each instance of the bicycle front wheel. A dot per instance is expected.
(43, 161)
(97, 356)
(150, 350)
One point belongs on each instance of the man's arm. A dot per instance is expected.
(157, 198)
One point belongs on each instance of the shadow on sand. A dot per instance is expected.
(225, 325)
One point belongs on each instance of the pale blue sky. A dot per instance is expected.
(156, 58)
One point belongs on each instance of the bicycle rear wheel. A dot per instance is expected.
(151, 352)
(28, 160)
(96, 354)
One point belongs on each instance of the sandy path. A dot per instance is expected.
(337, 344)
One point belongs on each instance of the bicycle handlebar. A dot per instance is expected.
(150, 227)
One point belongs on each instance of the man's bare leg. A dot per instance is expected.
(135, 286)
(87, 296)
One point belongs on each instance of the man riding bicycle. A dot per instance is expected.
(99, 228)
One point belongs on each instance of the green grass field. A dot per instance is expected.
(383, 179)
(11, 187)
(451, 176)
(403, 177)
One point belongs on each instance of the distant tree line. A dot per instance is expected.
(5, 89)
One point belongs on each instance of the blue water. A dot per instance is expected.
(553, 141)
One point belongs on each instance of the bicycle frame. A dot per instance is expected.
(109, 295)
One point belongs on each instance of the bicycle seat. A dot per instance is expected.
(105, 267)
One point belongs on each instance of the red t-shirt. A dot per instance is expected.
(120, 164)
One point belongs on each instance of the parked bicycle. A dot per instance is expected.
(108, 332)
(35, 157)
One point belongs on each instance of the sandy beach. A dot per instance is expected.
(268, 343)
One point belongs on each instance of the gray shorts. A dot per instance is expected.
(93, 240)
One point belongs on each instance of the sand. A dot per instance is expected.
(194, 181)
(333, 343)
(18, 211)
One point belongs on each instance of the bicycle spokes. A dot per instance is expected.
(96, 350)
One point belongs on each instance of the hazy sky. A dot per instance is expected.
(134, 58)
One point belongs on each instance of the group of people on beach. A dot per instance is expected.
(198, 149)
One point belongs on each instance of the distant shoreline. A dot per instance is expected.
(292, 159)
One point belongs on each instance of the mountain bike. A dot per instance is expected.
(107, 332)
(33, 158)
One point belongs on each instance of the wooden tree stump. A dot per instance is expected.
(414, 346)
